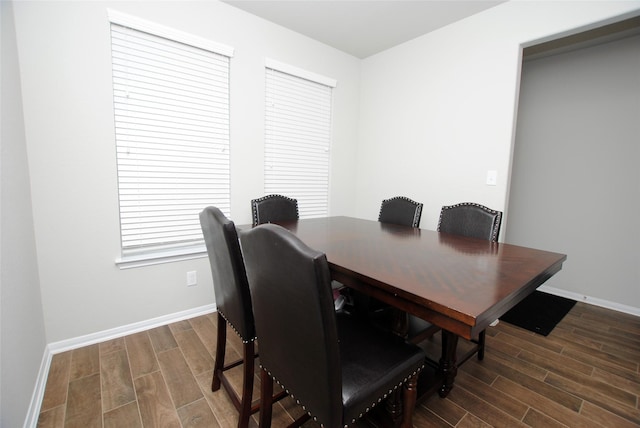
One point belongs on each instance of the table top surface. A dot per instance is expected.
(459, 283)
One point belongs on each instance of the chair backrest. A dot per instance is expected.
(470, 219)
(400, 210)
(233, 298)
(295, 318)
(273, 208)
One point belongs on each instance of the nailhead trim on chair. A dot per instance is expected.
(416, 213)
(386, 395)
(235, 329)
(375, 403)
(255, 201)
(494, 232)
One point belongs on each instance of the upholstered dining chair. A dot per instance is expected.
(400, 210)
(475, 221)
(335, 365)
(233, 301)
(273, 208)
(470, 219)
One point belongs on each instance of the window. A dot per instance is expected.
(171, 103)
(298, 137)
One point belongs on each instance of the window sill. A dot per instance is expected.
(159, 257)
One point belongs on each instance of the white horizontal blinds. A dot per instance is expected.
(298, 137)
(171, 103)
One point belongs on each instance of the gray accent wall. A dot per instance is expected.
(575, 182)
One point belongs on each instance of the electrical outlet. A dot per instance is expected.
(192, 278)
(492, 177)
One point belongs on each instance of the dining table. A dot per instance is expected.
(456, 283)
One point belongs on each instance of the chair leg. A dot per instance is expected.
(247, 385)
(394, 407)
(266, 399)
(409, 397)
(221, 346)
(481, 339)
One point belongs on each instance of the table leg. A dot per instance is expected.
(448, 365)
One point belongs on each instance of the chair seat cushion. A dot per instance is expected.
(372, 362)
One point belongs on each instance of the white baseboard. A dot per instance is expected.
(114, 333)
(31, 421)
(591, 300)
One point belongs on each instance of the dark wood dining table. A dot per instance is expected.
(457, 283)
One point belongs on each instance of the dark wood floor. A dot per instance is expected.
(584, 374)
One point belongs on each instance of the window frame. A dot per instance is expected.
(162, 253)
(304, 151)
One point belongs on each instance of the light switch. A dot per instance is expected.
(492, 177)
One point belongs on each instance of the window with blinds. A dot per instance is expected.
(298, 137)
(171, 103)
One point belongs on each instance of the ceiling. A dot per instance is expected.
(363, 27)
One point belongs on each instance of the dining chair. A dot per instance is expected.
(273, 208)
(465, 219)
(470, 219)
(233, 301)
(400, 210)
(334, 365)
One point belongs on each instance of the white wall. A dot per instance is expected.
(576, 184)
(22, 329)
(438, 112)
(64, 52)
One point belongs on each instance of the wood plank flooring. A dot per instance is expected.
(584, 374)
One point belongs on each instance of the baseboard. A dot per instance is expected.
(591, 300)
(31, 421)
(114, 333)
